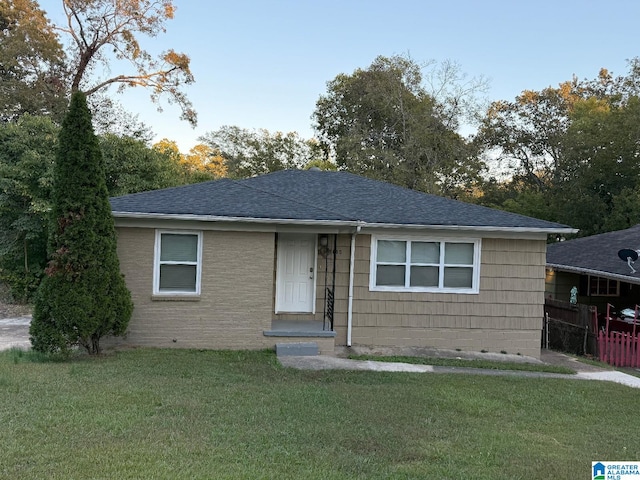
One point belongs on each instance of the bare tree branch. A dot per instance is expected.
(93, 25)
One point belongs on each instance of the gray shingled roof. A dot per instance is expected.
(597, 255)
(317, 196)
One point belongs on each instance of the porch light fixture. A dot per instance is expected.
(323, 243)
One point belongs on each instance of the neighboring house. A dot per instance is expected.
(593, 265)
(329, 257)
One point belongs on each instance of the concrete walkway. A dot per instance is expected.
(584, 371)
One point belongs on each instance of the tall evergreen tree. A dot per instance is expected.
(83, 296)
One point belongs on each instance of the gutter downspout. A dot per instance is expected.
(352, 261)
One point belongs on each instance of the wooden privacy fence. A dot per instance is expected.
(575, 314)
(620, 349)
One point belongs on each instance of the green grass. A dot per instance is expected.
(468, 363)
(629, 371)
(182, 414)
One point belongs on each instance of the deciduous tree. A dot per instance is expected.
(254, 152)
(101, 31)
(27, 155)
(601, 168)
(110, 117)
(131, 166)
(525, 136)
(571, 150)
(27, 149)
(32, 63)
(99, 45)
(205, 162)
(201, 164)
(169, 148)
(381, 122)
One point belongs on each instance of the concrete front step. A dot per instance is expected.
(298, 349)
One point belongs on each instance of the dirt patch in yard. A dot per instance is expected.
(11, 309)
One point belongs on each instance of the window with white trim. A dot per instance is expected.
(425, 265)
(178, 262)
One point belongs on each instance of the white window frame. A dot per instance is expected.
(475, 279)
(157, 263)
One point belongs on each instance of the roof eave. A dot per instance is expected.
(347, 223)
(220, 218)
(595, 273)
(475, 228)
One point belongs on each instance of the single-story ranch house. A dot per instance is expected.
(332, 258)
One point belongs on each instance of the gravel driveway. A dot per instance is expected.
(14, 332)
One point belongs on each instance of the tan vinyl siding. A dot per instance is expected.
(235, 304)
(506, 315)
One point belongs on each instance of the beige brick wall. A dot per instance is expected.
(505, 316)
(236, 300)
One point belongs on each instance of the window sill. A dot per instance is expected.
(467, 291)
(175, 298)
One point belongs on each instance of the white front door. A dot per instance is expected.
(295, 273)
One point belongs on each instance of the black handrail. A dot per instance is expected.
(329, 314)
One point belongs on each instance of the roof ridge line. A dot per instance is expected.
(285, 197)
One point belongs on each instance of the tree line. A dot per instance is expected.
(567, 153)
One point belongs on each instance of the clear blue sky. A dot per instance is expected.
(264, 63)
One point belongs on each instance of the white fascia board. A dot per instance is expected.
(216, 218)
(230, 226)
(593, 273)
(339, 223)
(483, 231)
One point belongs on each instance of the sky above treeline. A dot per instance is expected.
(265, 63)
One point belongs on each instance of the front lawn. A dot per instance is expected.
(178, 414)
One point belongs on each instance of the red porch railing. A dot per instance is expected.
(619, 349)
